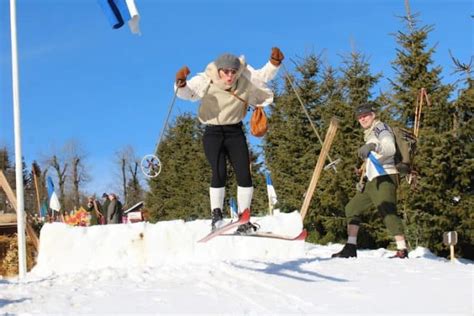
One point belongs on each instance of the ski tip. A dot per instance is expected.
(302, 235)
(245, 216)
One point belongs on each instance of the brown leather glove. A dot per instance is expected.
(276, 57)
(181, 76)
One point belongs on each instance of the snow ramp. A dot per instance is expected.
(66, 249)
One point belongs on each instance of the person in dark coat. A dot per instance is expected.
(105, 205)
(114, 210)
(95, 210)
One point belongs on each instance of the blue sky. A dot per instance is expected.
(106, 89)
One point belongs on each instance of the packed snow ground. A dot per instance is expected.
(159, 268)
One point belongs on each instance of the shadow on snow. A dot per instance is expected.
(286, 269)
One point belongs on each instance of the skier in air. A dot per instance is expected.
(226, 88)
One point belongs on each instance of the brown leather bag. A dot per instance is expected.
(258, 122)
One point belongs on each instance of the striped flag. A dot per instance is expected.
(272, 197)
(374, 168)
(233, 208)
(53, 198)
(120, 11)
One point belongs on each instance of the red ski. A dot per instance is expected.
(243, 218)
(301, 236)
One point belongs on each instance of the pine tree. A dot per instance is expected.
(442, 198)
(343, 96)
(181, 190)
(327, 223)
(290, 146)
(414, 68)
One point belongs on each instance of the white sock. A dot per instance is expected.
(217, 197)
(401, 244)
(244, 198)
(352, 240)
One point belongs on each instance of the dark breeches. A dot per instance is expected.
(223, 142)
(381, 192)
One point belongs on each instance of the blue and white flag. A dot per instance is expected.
(233, 208)
(373, 167)
(120, 11)
(53, 198)
(272, 197)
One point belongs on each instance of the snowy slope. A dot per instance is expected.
(228, 275)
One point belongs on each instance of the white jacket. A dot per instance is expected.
(382, 136)
(222, 108)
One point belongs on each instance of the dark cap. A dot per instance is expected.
(105, 195)
(364, 109)
(227, 61)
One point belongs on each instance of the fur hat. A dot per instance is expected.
(227, 61)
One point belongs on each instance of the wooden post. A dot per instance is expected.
(331, 132)
(451, 239)
(35, 178)
(12, 198)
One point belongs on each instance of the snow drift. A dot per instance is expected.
(66, 249)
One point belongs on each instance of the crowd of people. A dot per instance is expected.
(110, 211)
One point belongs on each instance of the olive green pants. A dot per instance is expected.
(381, 192)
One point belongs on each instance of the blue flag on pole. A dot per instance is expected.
(120, 11)
(53, 198)
(233, 208)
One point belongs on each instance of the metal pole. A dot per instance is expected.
(170, 108)
(18, 155)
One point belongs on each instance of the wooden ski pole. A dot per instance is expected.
(330, 134)
(422, 97)
(12, 198)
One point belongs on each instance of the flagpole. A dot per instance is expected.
(18, 154)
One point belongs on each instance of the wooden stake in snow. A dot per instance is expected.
(331, 132)
(12, 198)
(450, 239)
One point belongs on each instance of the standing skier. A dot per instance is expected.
(380, 190)
(226, 88)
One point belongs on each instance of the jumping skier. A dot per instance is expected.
(226, 88)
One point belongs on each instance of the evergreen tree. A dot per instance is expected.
(290, 146)
(463, 188)
(343, 96)
(181, 190)
(414, 70)
(326, 222)
(442, 199)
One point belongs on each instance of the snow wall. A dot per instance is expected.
(66, 249)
